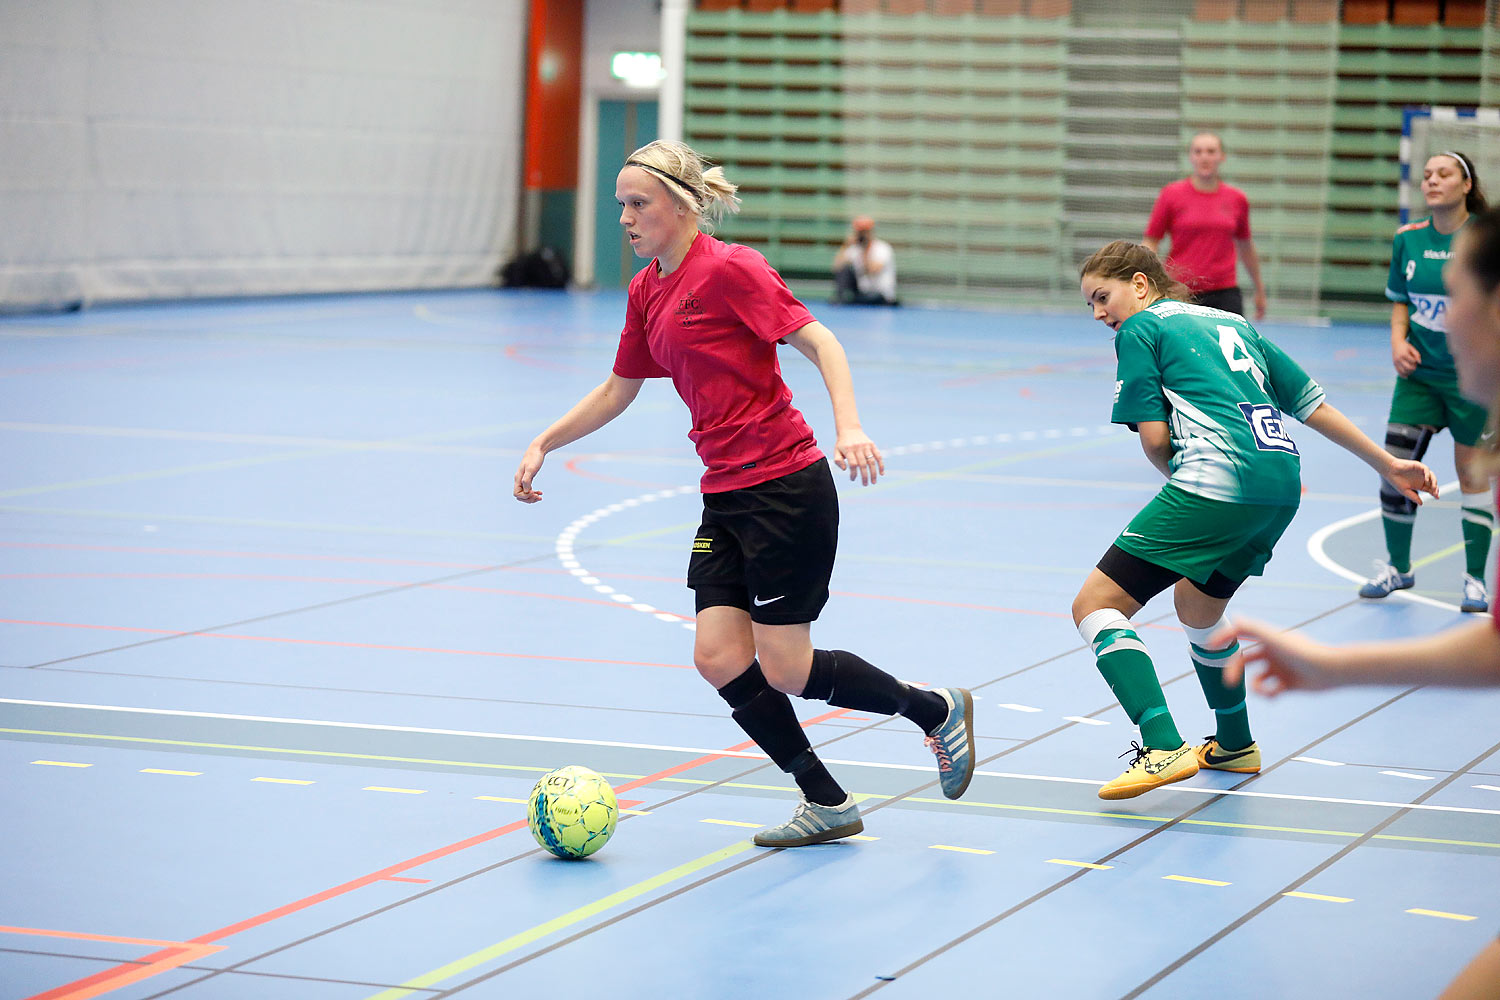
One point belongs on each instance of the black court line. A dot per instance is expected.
(1069, 879)
(1302, 880)
(353, 598)
(763, 854)
(478, 699)
(1175, 821)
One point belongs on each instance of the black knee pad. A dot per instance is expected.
(1407, 441)
(1403, 441)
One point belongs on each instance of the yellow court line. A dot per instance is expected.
(400, 791)
(635, 812)
(284, 781)
(861, 836)
(61, 763)
(1079, 864)
(960, 850)
(730, 822)
(1319, 896)
(162, 770)
(515, 941)
(1046, 810)
(1053, 810)
(1195, 881)
(1440, 913)
(501, 798)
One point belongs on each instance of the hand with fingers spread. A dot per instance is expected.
(855, 453)
(1292, 662)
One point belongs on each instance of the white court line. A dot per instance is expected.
(1408, 774)
(700, 751)
(1315, 549)
(1320, 760)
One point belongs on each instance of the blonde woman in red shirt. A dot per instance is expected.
(1207, 222)
(709, 316)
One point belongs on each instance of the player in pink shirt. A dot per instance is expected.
(1207, 221)
(709, 315)
(1467, 655)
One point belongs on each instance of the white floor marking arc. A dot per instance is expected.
(700, 751)
(566, 555)
(1322, 558)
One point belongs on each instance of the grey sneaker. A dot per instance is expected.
(813, 824)
(953, 742)
(1476, 597)
(1387, 580)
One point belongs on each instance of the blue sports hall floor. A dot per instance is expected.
(282, 659)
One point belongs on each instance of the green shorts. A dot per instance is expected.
(1196, 536)
(1438, 404)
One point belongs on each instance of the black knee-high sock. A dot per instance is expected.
(844, 680)
(767, 717)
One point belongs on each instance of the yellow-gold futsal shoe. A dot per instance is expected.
(1151, 769)
(1215, 757)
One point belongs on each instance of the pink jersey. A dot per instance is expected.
(712, 327)
(1203, 226)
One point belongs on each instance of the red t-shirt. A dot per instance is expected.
(712, 327)
(1203, 226)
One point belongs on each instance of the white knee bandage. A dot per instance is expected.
(1200, 636)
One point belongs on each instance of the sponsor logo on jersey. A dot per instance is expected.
(1119, 384)
(1268, 427)
(1430, 310)
(1437, 254)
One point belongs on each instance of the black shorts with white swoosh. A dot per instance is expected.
(769, 549)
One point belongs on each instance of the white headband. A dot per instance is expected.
(1461, 162)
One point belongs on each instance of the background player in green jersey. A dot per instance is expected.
(1206, 394)
(1426, 398)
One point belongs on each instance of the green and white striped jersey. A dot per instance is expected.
(1222, 389)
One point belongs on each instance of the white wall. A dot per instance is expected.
(175, 148)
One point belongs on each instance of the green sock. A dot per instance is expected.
(1479, 525)
(1126, 665)
(1232, 719)
(1398, 529)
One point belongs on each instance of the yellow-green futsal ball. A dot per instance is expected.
(572, 812)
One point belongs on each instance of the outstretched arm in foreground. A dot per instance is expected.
(1467, 655)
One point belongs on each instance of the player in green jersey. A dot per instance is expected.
(1426, 398)
(1207, 394)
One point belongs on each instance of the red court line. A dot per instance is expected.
(984, 607)
(572, 466)
(513, 352)
(710, 758)
(145, 550)
(350, 645)
(275, 578)
(173, 954)
(114, 978)
(402, 878)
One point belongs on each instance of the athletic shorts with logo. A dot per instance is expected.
(769, 548)
(1197, 537)
(1421, 403)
